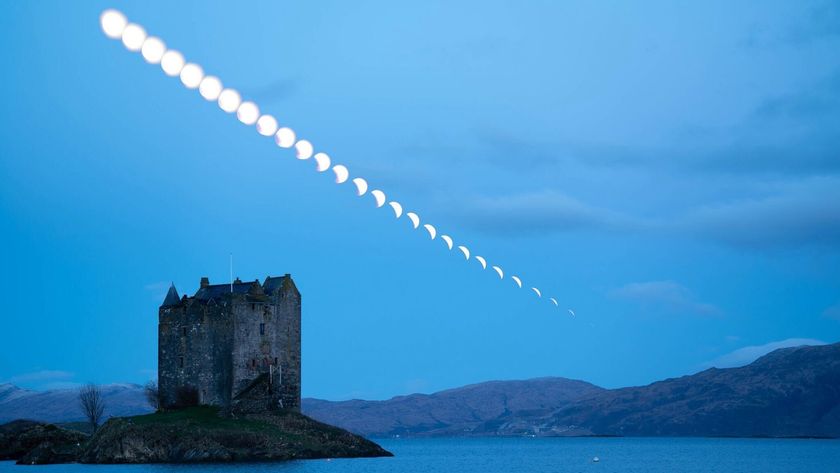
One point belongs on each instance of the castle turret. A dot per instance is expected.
(171, 297)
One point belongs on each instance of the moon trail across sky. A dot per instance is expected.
(115, 25)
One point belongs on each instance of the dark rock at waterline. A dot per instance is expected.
(31, 442)
(201, 434)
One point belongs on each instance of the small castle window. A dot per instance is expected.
(253, 362)
(275, 360)
(182, 362)
(262, 329)
(253, 306)
(184, 331)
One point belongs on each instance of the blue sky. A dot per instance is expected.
(668, 170)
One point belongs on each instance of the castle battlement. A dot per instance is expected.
(231, 345)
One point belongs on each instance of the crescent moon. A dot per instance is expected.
(415, 220)
(448, 240)
(303, 149)
(397, 208)
(465, 251)
(322, 162)
(499, 272)
(341, 173)
(379, 196)
(431, 230)
(361, 186)
(571, 312)
(482, 261)
(554, 301)
(539, 294)
(517, 281)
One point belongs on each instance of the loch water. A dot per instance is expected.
(536, 455)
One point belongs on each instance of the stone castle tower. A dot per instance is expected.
(234, 346)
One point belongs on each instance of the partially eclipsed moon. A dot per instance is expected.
(553, 300)
(361, 186)
(415, 219)
(517, 281)
(432, 231)
(379, 196)
(482, 261)
(341, 174)
(537, 291)
(465, 251)
(448, 240)
(499, 272)
(397, 208)
(571, 312)
(322, 162)
(303, 149)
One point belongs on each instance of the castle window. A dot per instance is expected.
(253, 362)
(182, 362)
(262, 329)
(253, 306)
(184, 331)
(275, 361)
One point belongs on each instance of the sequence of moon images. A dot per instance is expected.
(115, 25)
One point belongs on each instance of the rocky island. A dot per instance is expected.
(190, 435)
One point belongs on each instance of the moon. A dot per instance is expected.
(571, 312)
(465, 251)
(267, 126)
(448, 240)
(432, 231)
(379, 196)
(341, 173)
(361, 186)
(499, 272)
(537, 291)
(153, 49)
(303, 149)
(553, 300)
(322, 161)
(517, 281)
(415, 220)
(285, 137)
(482, 261)
(397, 208)
(113, 23)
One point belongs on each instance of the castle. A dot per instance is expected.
(234, 345)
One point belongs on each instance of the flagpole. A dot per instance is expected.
(231, 272)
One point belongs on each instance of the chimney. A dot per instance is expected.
(205, 281)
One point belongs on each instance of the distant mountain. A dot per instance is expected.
(62, 405)
(787, 393)
(457, 411)
(791, 392)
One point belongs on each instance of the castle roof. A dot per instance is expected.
(215, 291)
(208, 292)
(171, 296)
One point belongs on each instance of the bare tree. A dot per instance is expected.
(92, 403)
(152, 395)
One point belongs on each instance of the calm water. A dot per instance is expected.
(541, 455)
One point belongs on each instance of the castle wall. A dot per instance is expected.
(195, 342)
(276, 348)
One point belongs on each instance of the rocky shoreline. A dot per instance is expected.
(192, 435)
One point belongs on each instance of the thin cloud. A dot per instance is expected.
(539, 212)
(667, 296)
(746, 355)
